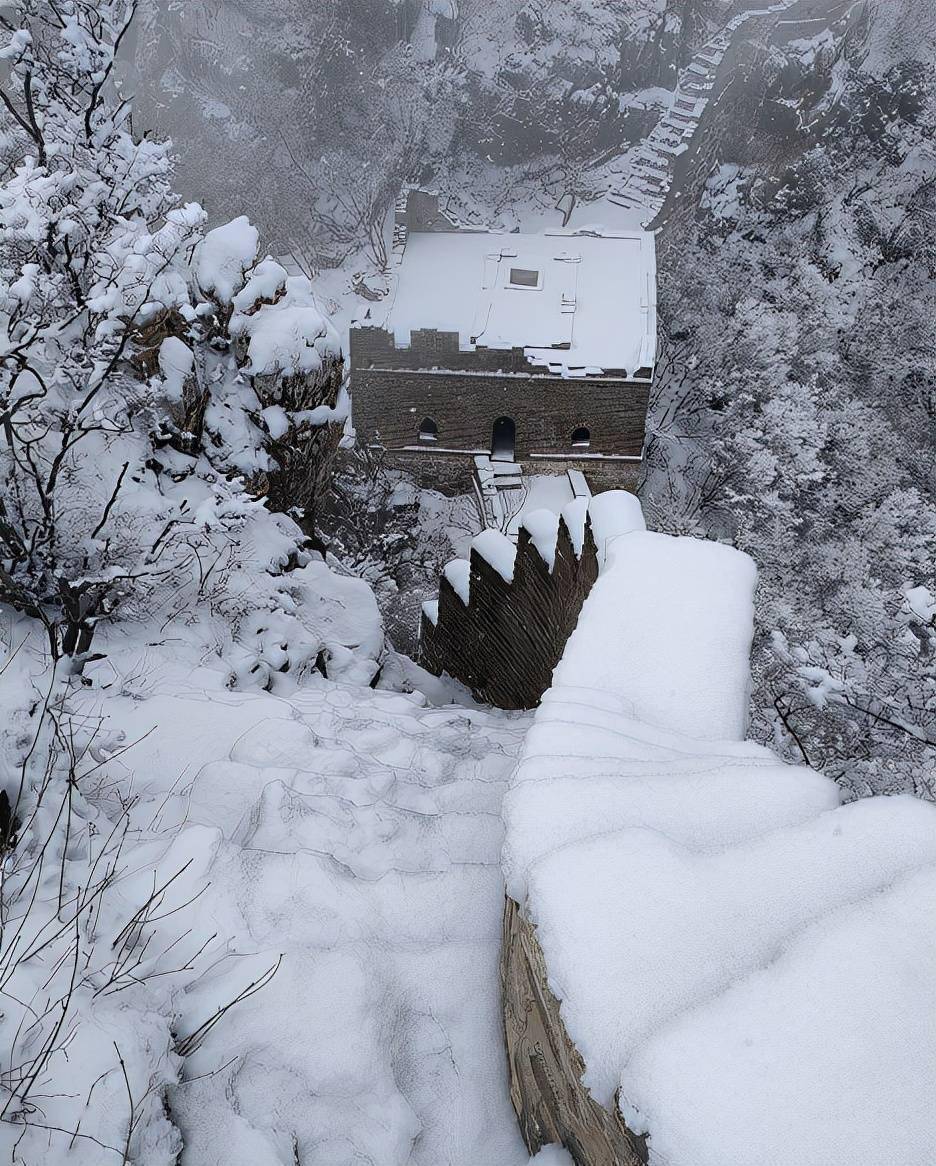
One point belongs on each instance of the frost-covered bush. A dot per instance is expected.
(93, 247)
(96, 938)
(158, 382)
(794, 417)
(394, 536)
(158, 386)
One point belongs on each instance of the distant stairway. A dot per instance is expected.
(653, 170)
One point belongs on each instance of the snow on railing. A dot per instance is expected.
(503, 615)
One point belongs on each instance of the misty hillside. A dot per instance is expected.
(822, 146)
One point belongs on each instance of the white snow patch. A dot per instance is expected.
(670, 631)
(552, 1156)
(583, 775)
(176, 361)
(263, 283)
(290, 336)
(539, 492)
(543, 528)
(224, 255)
(825, 1055)
(276, 420)
(749, 962)
(497, 550)
(574, 515)
(458, 573)
(922, 602)
(667, 928)
(355, 834)
(594, 293)
(613, 513)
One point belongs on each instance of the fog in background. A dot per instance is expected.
(315, 113)
(795, 406)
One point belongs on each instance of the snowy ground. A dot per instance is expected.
(356, 834)
(540, 492)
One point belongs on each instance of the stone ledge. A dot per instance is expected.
(545, 1068)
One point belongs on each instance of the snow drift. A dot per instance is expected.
(745, 964)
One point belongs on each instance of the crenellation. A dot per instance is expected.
(505, 642)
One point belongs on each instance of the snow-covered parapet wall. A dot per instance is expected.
(503, 617)
(746, 967)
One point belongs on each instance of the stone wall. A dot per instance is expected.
(505, 642)
(430, 348)
(602, 474)
(545, 1068)
(394, 389)
(453, 473)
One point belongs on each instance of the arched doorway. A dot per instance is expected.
(503, 439)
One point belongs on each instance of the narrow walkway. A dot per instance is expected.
(354, 836)
(504, 495)
(653, 171)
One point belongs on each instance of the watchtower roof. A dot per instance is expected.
(581, 302)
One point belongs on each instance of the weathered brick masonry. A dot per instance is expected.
(504, 644)
(463, 393)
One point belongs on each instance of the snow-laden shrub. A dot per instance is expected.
(158, 382)
(793, 416)
(96, 939)
(155, 379)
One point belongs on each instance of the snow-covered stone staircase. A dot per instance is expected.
(349, 838)
(501, 492)
(498, 489)
(652, 172)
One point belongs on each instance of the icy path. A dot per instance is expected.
(358, 834)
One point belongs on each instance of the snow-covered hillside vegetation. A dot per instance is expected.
(252, 860)
(321, 111)
(795, 409)
(796, 414)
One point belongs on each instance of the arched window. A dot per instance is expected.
(581, 438)
(428, 430)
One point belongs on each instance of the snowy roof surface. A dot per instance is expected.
(580, 303)
(749, 961)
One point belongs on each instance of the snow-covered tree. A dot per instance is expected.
(94, 252)
(166, 395)
(157, 381)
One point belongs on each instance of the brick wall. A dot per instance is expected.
(453, 473)
(390, 405)
(504, 644)
(393, 391)
(430, 348)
